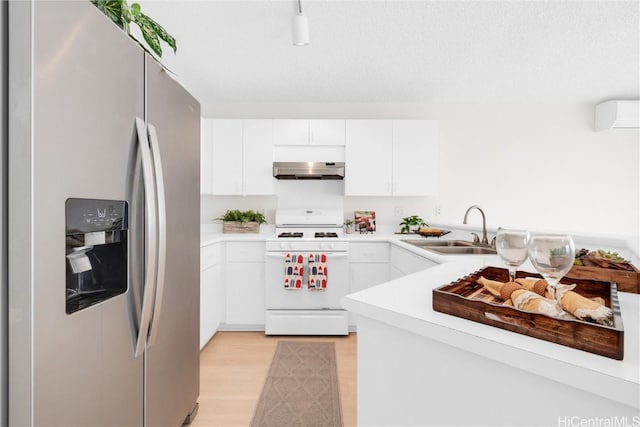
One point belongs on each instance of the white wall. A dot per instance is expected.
(534, 165)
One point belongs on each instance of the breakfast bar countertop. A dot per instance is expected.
(406, 304)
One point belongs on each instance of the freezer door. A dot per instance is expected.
(76, 141)
(172, 356)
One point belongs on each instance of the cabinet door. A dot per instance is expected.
(407, 262)
(258, 157)
(394, 273)
(219, 306)
(227, 156)
(290, 132)
(326, 132)
(245, 293)
(366, 275)
(208, 316)
(206, 157)
(368, 153)
(363, 276)
(415, 157)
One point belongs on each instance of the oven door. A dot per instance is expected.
(278, 297)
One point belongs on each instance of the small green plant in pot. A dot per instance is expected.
(411, 224)
(348, 224)
(236, 221)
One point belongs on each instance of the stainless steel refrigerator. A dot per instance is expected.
(103, 226)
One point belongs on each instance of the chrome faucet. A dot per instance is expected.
(476, 238)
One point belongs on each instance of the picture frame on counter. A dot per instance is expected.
(364, 221)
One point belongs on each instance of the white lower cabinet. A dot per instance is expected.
(368, 266)
(245, 285)
(212, 291)
(232, 280)
(404, 262)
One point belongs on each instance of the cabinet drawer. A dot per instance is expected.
(210, 255)
(368, 252)
(245, 251)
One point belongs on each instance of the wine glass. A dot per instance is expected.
(512, 249)
(552, 255)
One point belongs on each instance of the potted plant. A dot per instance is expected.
(124, 15)
(348, 223)
(411, 224)
(236, 221)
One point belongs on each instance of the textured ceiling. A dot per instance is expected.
(404, 51)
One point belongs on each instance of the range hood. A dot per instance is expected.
(308, 170)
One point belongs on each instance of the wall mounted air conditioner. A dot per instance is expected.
(617, 114)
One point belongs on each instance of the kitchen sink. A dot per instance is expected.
(436, 243)
(452, 247)
(462, 250)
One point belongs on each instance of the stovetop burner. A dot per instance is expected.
(320, 234)
(290, 234)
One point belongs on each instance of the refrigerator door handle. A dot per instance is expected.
(162, 232)
(150, 237)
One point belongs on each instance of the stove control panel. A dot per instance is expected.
(327, 245)
(287, 245)
(278, 245)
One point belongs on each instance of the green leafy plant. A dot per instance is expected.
(242, 216)
(348, 222)
(123, 15)
(412, 221)
(556, 252)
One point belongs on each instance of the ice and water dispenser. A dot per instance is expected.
(96, 251)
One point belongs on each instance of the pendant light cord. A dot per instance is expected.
(299, 8)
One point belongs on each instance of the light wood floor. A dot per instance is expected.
(234, 365)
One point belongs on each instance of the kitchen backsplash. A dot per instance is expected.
(321, 194)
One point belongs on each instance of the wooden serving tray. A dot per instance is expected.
(433, 233)
(626, 281)
(429, 233)
(467, 299)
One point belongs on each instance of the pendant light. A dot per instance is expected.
(300, 28)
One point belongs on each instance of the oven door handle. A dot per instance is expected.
(275, 254)
(333, 255)
(330, 255)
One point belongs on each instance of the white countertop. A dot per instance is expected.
(406, 303)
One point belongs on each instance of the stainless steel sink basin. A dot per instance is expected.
(452, 247)
(459, 250)
(438, 243)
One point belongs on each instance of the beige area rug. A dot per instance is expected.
(301, 389)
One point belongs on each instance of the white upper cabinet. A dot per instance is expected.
(415, 157)
(242, 157)
(308, 132)
(206, 156)
(290, 132)
(391, 158)
(227, 156)
(367, 155)
(326, 132)
(258, 157)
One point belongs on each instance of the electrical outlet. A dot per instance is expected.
(438, 210)
(398, 211)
